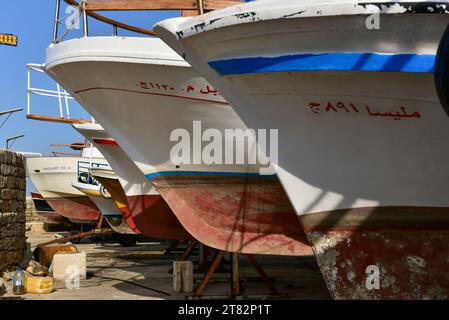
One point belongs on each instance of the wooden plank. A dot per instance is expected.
(124, 5)
(137, 5)
(80, 146)
(56, 119)
(210, 5)
(189, 13)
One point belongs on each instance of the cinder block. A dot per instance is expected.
(183, 276)
(37, 227)
(69, 265)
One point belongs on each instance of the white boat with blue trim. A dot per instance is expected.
(358, 92)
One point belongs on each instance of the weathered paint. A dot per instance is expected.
(407, 245)
(76, 209)
(50, 217)
(236, 214)
(148, 215)
(340, 160)
(154, 218)
(255, 12)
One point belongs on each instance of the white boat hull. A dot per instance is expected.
(362, 134)
(52, 177)
(154, 93)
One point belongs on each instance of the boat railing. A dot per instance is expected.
(84, 174)
(62, 97)
(88, 8)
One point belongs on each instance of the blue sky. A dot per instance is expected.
(32, 22)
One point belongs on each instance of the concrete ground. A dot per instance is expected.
(141, 273)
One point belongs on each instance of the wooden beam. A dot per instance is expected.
(189, 13)
(199, 291)
(56, 119)
(70, 145)
(235, 279)
(138, 5)
(262, 274)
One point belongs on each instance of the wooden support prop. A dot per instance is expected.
(56, 119)
(186, 253)
(262, 274)
(78, 235)
(235, 280)
(189, 250)
(171, 247)
(199, 291)
(138, 5)
(100, 221)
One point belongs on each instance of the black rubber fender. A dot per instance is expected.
(441, 73)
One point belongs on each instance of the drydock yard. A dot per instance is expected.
(215, 150)
(142, 272)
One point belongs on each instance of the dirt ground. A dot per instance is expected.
(142, 273)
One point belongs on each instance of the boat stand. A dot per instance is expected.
(235, 276)
(94, 232)
(186, 254)
(99, 230)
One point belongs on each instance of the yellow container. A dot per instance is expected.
(39, 285)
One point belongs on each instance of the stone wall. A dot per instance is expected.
(12, 205)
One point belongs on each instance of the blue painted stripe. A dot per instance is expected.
(345, 61)
(151, 176)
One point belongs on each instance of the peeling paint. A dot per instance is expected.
(252, 12)
(293, 14)
(412, 264)
(408, 7)
(387, 281)
(416, 264)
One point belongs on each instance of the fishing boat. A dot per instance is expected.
(52, 177)
(353, 88)
(142, 92)
(142, 206)
(43, 209)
